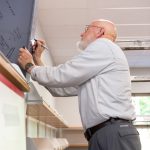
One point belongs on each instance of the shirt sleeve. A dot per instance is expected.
(63, 92)
(94, 59)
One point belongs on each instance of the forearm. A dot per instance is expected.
(74, 72)
(58, 92)
(37, 53)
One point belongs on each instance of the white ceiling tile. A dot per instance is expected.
(63, 21)
(133, 30)
(62, 43)
(52, 4)
(63, 31)
(131, 16)
(63, 17)
(117, 3)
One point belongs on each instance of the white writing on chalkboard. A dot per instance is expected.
(16, 18)
(10, 8)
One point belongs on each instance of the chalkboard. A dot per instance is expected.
(16, 24)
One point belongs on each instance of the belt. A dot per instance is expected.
(90, 131)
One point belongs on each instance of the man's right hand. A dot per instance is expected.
(37, 52)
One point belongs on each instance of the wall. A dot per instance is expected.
(47, 60)
(68, 108)
(46, 57)
(34, 127)
(140, 72)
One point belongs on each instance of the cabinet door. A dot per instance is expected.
(12, 120)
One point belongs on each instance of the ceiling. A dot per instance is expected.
(62, 21)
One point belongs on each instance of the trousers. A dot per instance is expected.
(115, 136)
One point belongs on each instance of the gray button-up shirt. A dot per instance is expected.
(99, 76)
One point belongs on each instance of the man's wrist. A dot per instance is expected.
(29, 67)
(38, 61)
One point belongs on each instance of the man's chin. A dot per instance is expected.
(81, 45)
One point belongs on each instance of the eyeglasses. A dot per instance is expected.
(90, 26)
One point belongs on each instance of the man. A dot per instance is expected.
(100, 77)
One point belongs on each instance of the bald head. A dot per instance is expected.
(98, 29)
(110, 30)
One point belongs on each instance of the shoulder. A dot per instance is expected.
(100, 46)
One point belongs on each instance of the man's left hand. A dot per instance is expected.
(24, 57)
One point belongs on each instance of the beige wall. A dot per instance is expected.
(68, 108)
(34, 127)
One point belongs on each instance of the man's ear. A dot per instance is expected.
(101, 32)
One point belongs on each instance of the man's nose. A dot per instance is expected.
(81, 35)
